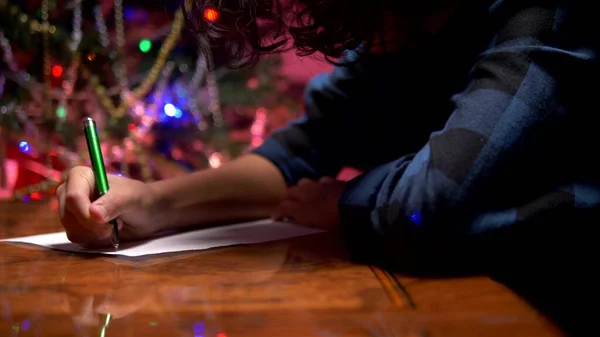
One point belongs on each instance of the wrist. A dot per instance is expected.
(156, 204)
(177, 203)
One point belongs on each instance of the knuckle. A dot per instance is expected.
(294, 191)
(304, 181)
(60, 190)
(286, 206)
(82, 172)
(73, 197)
(78, 171)
(88, 175)
(112, 200)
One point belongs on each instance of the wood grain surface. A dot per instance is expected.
(299, 287)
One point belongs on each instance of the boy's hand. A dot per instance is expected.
(312, 204)
(84, 218)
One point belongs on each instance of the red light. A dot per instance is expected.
(211, 15)
(131, 127)
(221, 335)
(57, 71)
(36, 196)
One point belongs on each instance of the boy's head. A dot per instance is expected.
(238, 31)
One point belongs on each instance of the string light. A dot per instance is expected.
(76, 36)
(211, 14)
(101, 26)
(144, 88)
(68, 83)
(48, 185)
(61, 112)
(47, 69)
(214, 106)
(47, 57)
(102, 92)
(24, 147)
(145, 45)
(170, 110)
(119, 65)
(28, 82)
(7, 52)
(57, 71)
(33, 191)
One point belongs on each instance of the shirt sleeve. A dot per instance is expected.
(505, 132)
(309, 146)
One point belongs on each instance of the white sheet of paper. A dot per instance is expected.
(237, 234)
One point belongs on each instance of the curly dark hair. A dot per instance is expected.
(246, 29)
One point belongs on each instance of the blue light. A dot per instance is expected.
(178, 113)
(170, 110)
(26, 325)
(199, 329)
(416, 218)
(128, 13)
(24, 147)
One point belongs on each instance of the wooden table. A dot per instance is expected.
(299, 287)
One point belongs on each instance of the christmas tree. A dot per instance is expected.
(135, 69)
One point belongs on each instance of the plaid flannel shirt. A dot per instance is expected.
(486, 129)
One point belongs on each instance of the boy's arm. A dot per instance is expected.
(252, 185)
(243, 189)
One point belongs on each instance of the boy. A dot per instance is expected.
(469, 120)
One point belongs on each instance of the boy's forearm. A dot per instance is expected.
(246, 188)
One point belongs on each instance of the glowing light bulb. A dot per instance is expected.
(57, 71)
(170, 110)
(24, 147)
(145, 45)
(211, 14)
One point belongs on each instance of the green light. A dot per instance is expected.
(61, 112)
(145, 45)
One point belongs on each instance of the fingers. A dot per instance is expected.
(77, 233)
(288, 210)
(74, 207)
(108, 207)
(307, 190)
(304, 191)
(327, 180)
(79, 187)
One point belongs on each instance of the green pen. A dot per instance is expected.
(93, 144)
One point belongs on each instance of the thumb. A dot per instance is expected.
(108, 207)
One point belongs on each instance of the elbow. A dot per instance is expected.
(423, 233)
(422, 208)
(409, 223)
